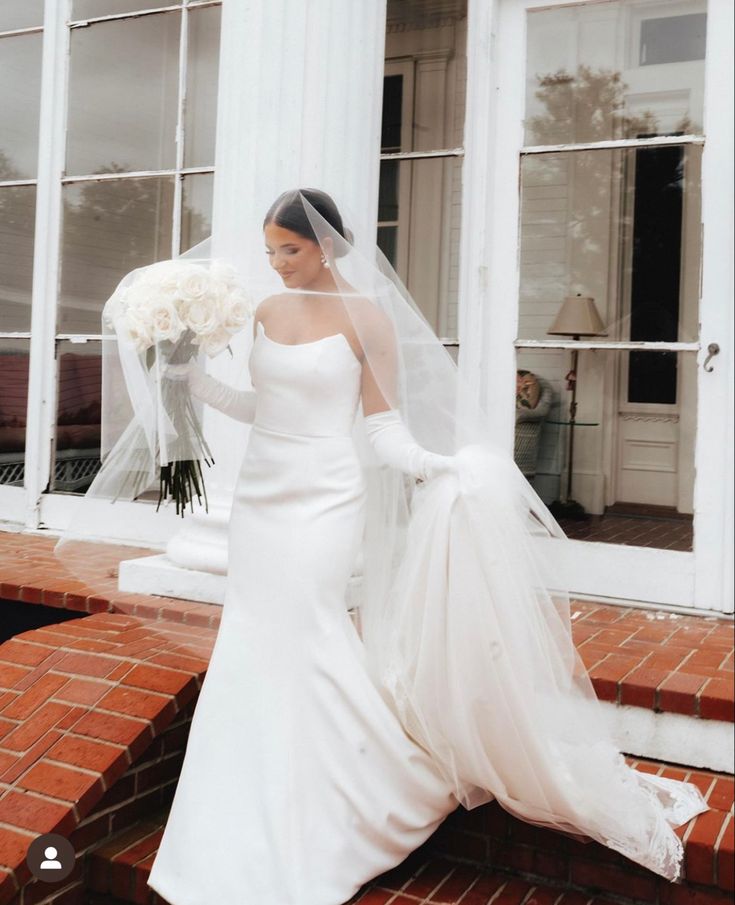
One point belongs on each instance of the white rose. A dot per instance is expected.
(136, 295)
(165, 322)
(236, 310)
(139, 328)
(199, 315)
(194, 284)
(215, 342)
(164, 276)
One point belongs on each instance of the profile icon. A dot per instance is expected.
(50, 863)
(51, 857)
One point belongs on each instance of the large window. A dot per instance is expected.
(21, 39)
(136, 154)
(610, 211)
(421, 161)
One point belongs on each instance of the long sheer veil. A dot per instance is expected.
(462, 596)
(465, 604)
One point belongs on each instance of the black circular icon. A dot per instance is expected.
(50, 857)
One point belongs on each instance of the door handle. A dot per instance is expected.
(712, 350)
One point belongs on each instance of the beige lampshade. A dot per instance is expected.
(578, 316)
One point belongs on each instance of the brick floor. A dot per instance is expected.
(648, 658)
(29, 571)
(80, 700)
(639, 531)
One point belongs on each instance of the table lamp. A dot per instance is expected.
(577, 317)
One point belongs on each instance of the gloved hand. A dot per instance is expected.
(394, 445)
(238, 404)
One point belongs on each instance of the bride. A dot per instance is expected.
(324, 750)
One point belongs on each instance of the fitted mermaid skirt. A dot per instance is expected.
(301, 779)
(299, 783)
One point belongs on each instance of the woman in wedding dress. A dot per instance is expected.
(309, 770)
(299, 783)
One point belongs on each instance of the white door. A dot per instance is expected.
(603, 117)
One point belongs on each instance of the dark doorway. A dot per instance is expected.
(655, 285)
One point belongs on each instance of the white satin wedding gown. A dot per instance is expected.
(298, 784)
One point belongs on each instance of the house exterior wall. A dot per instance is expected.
(289, 79)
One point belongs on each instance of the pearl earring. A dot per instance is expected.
(325, 262)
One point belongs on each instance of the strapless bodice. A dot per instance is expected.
(310, 389)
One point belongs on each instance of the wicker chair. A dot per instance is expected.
(528, 429)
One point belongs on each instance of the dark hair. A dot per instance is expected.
(288, 212)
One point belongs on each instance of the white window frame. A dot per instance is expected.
(32, 506)
(700, 580)
(406, 66)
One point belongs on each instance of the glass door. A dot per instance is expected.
(606, 104)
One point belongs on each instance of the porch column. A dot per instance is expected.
(299, 105)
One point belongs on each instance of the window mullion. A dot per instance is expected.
(630, 346)
(42, 364)
(133, 174)
(95, 20)
(658, 141)
(14, 183)
(421, 155)
(180, 134)
(13, 33)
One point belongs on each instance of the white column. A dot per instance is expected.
(299, 105)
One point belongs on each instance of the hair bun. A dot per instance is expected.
(349, 236)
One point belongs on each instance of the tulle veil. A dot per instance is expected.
(462, 598)
(465, 604)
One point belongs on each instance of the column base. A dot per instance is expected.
(160, 576)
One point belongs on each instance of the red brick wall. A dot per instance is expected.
(94, 717)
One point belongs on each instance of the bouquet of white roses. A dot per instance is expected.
(168, 312)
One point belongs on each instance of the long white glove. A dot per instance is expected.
(394, 445)
(238, 404)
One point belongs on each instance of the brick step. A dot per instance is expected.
(644, 659)
(491, 839)
(487, 855)
(119, 868)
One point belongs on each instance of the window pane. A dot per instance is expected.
(621, 227)
(419, 233)
(89, 9)
(428, 41)
(632, 464)
(673, 39)
(109, 228)
(20, 66)
(390, 133)
(17, 215)
(201, 86)
(77, 431)
(20, 14)
(388, 191)
(423, 110)
(123, 95)
(13, 402)
(387, 242)
(196, 214)
(614, 70)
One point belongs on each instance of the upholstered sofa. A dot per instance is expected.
(77, 433)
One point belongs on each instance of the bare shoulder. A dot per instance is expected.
(269, 304)
(266, 308)
(375, 324)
